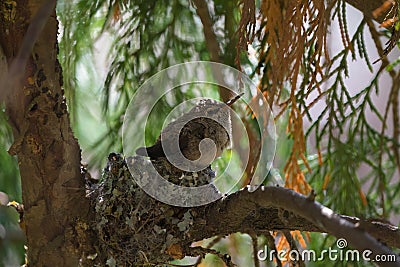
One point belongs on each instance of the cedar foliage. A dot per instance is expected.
(295, 70)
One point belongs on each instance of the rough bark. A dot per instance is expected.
(56, 209)
(48, 154)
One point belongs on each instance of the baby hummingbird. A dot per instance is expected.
(196, 138)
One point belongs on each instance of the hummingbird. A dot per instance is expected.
(208, 120)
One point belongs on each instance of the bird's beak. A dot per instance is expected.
(234, 99)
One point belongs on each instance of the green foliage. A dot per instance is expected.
(12, 245)
(148, 36)
(349, 140)
(10, 181)
(12, 240)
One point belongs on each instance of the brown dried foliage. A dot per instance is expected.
(289, 29)
(293, 54)
(247, 27)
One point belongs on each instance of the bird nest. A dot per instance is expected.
(133, 228)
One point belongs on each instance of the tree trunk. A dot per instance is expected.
(56, 210)
(48, 154)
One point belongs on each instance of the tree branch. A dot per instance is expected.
(212, 44)
(172, 230)
(367, 8)
(245, 210)
(209, 34)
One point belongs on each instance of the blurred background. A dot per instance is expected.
(109, 48)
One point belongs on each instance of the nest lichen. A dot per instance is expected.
(133, 228)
